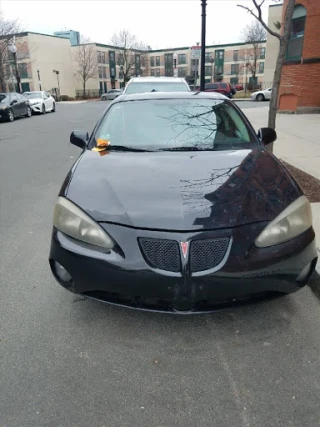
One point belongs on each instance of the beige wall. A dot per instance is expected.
(272, 48)
(51, 53)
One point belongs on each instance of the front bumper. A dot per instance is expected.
(37, 108)
(123, 276)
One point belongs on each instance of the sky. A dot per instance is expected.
(158, 23)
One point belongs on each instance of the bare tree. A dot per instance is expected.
(128, 46)
(283, 38)
(254, 34)
(7, 30)
(85, 58)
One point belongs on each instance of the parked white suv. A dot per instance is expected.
(156, 84)
(40, 101)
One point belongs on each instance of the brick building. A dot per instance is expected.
(300, 90)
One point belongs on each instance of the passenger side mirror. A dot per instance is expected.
(14, 102)
(79, 138)
(267, 135)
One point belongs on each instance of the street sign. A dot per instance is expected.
(195, 52)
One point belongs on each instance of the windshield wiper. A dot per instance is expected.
(180, 149)
(124, 148)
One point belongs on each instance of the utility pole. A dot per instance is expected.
(203, 44)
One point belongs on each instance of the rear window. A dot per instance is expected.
(224, 85)
(211, 86)
(136, 87)
(170, 124)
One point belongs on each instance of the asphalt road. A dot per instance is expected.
(66, 361)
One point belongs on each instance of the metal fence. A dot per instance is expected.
(89, 94)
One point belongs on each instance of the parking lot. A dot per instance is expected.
(72, 362)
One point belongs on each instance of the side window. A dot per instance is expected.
(46, 95)
(295, 44)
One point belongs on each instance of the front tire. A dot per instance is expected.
(53, 107)
(10, 115)
(43, 109)
(29, 112)
(260, 97)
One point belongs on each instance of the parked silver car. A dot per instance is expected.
(261, 95)
(112, 94)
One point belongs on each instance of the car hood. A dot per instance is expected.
(35, 100)
(181, 191)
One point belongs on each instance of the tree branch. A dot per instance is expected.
(259, 18)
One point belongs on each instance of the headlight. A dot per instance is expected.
(3, 108)
(71, 220)
(294, 220)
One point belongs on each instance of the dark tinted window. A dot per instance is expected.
(224, 85)
(202, 124)
(211, 86)
(3, 98)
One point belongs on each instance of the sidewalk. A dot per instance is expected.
(298, 143)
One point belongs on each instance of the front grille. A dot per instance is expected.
(208, 253)
(161, 253)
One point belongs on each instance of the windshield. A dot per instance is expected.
(33, 95)
(156, 86)
(174, 124)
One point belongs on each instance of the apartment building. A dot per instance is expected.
(49, 63)
(228, 63)
(44, 63)
(109, 71)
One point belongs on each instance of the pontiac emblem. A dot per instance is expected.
(184, 249)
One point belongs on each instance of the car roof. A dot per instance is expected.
(170, 95)
(157, 79)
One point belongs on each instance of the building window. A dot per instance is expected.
(153, 73)
(152, 61)
(262, 53)
(182, 72)
(234, 68)
(102, 72)
(295, 44)
(208, 70)
(235, 55)
(99, 56)
(220, 54)
(219, 69)
(234, 80)
(103, 57)
(182, 58)
(208, 57)
(157, 72)
(157, 61)
(23, 71)
(261, 67)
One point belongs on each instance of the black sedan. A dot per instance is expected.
(13, 105)
(176, 204)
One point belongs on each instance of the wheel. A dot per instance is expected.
(104, 98)
(43, 109)
(29, 112)
(260, 97)
(53, 107)
(10, 115)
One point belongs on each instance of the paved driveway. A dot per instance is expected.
(70, 362)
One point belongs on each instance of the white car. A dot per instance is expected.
(156, 84)
(112, 94)
(261, 95)
(41, 102)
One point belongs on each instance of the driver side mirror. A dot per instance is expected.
(267, 135)
(79, 138)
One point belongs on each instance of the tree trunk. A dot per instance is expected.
(279, 64)
(273, 107)
(84, 89)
